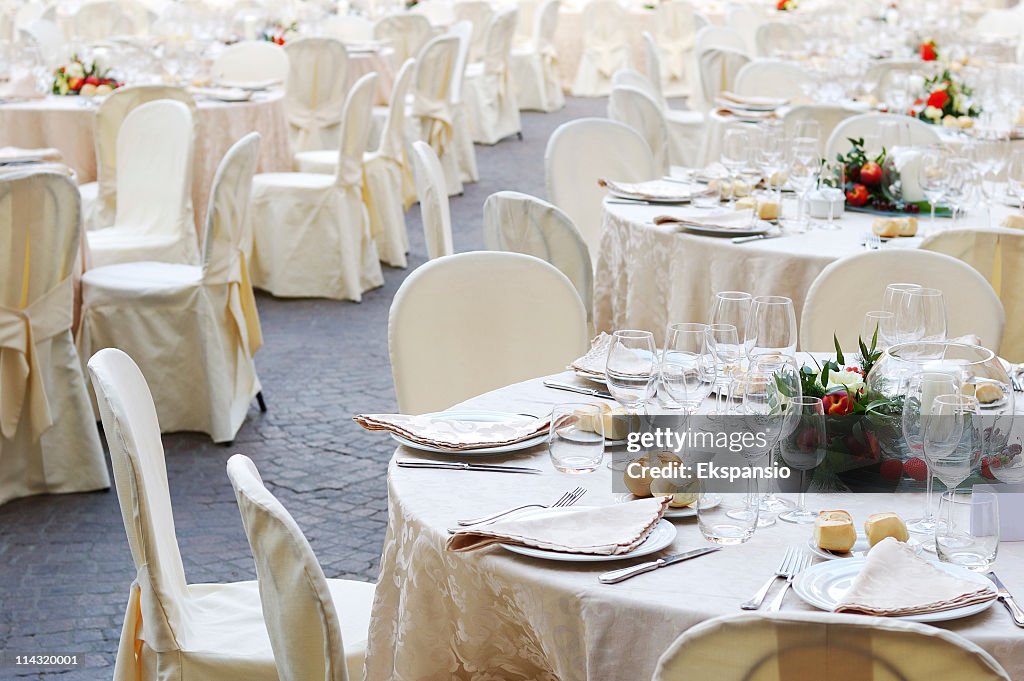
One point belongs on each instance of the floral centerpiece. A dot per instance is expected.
(928, 50)
(873, 182)
(786, 5)
(279, 33)
(947, 102)
(79, 78)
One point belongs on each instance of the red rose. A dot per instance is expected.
(938, 99)
(928, 52)
(838, 403)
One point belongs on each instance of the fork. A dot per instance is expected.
(802, 561)
(782, 571)
(567, 499)
(872, 242)
(1015, 381)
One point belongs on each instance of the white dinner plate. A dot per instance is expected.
(591, 377)
(663, 534)
(859, 550)
(712, 500)
(479, 416)
(630, 196)
(760, 227)
(822, 586)
(254, 86)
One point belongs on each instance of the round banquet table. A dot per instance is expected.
(69, 123)
(491, 614)
(381, 62)
(648, 275)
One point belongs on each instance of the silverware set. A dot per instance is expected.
(1006, 598)
(593, 392)
(567, 499)
(463, 466)
(872, 242)
(792, 564)
(616, 576)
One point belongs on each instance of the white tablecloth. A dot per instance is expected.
(490, 614)
(380, 62)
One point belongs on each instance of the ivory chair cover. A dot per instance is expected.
(832, 307)
(675, 34)
(996, 253)
(521, 223)
(438, 12)
(99, 198)
(746, 20)
(719, 36)
(154, 218)
(406, 32)
(638, 110)
(634, 79)
(606, 48)
(172, 629)
(581, 152)
(311, 233)
(685, 129)
(47, 38)
(315, 92)
(718, 67)
(300, 605)
(880, 73)
(462, 131)
(193, 329)
(775, 36)
(100, 20)
(490, 97)
(348, 28)
(921, 134)
(828, 116)
(431, 117)
(479, 15)
(813, 646)
(48, 438)
(434, 210)
(534, 67)
(506, 317)
(771, 78)
(653, 61)
(999, 22)
(251, 62)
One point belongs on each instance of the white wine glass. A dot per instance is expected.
(803, 448)
(631, 368)
(770, 327)
(688, 367)
(922, 389)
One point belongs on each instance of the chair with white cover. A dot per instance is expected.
(318, 627)
(315, 92)
(48, 438)
(652, 58)
(462, 132)
(479, 15)
(882, 71)
(828, 116)
(189, 632)
(675, 35)
(746, 20)
(99, 20)
(505, 318)
(193, 329)
(99, 198)
(490, 95)
(972, 306)
(718, 67)
(438, 12)
(348, 28)
(719, 36)
(771, 78)
(46, 37)
(814, 646)
(431, 116)
(311, 234)
(637, 80)
(583, 151)
(1000, 23)
(521, 223)
(435, 212)
(251, 62)
(997, 253)
(407, 33)
(605, 48)
(775, 36)
(921, 134)
(534, 67)
(153, 218)
(640, 111)
(685, 127)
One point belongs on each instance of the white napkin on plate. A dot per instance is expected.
(605, 531)
(726, 221)
(895, 582)
(437, 431)
(652, 190)
(20, 155)
(594, 362)
(22, 85)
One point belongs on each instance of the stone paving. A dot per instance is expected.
(65, 567)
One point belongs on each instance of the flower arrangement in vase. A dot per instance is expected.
(86, 80)
(279, 33)
(947, 102)
(786, 5)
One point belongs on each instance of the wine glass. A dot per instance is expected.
(988, 153)
(803, 448)
(890, 303)
(631, 368)
(1015, 177)
(735, 156)
(961, 186)
(804, 167)
(808, 129)
(933, 178)
(731, 307)
(921, 315)
(771, 157)
(688, 367)
(724, 342)
(770, 327)
(950, 439)
(784, 372)
(877, 326)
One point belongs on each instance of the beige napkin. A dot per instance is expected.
(895, 582)
(593, 363)
(18, 154)
(435, 431)
(22, 85)
(734, 220)
(605, 531)
(653, 190)
(729, 99)
(746, 114)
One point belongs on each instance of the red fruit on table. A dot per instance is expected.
(986, 468)
(891, 469)
(870, 174)
(916, 468)
(857, 195)
(928, 52)
(92, 80)
(76, 83)
(837, 403)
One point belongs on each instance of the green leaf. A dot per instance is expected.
(839, 350)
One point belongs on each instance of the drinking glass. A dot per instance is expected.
(988, 153)
(576, 437)
(731, 307)
(832, 176)
(921, 315)
(808, 129)
(735, 156)
(933, 178)
(878, 325)
(724, 342)
(890, 303)
(631, 368)
(1015, 177)
(804, 167)
(733, 519)
(771, 156)
(706, 196)
(950, 438)
(803, 448)
(961, 186)
(688, 367)
(969, 533)
(770, 327)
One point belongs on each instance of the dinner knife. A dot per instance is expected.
(579, 389)
(463, 466)
(1007, 598)
(756, 237)
(616, 576)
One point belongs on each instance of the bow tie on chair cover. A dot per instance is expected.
(21, 379)
(241, 302)
(604, 58)
(311, 122)
(439, 113)
(678, 53)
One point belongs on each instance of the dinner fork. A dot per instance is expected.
(567, 499)
(782, 571)
(801, 563)
(872, 242)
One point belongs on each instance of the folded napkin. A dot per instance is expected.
(733, 220)
(604, 531)
(223, 94)
(437, 431)
(593, 363)
(22, 85)
(20, 155)
(653, 190)
(896, 582)
(746, 114)
(731, 98)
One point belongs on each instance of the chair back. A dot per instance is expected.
(771, 78)
(745, 20)
(677, 22)
(140, 475)
(251, 61)
(719, 37)
(355, 131)
(634, 79)
(828, 116)
(348, 28)
(463, 30)
(521, 223)
(315, 91)
(604, 25)
(583, 151)
(919, 133)
(392, 137)
(100, 20)
(407, 33)
(1000, 23)
(775, 36)
(501, 31)
(433, 196)
(479, 14)
(881, 72)
(718, 67)
(301, 618)
(46, 37)
(432, 83)
(653, 60)
(228, 229)
(640, 111)
(545, 25)
(972, 307)
(468, 323)
(814, 646)
(438, 12)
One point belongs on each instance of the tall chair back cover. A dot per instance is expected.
(638, 110)
(434, 209)
(315, 91)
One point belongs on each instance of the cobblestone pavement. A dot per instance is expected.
(65, 567)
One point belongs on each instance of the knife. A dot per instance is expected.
(463, 466)
(616, 576)
(1007, 598)
(579, 389)
(757, 237)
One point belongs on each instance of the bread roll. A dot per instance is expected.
(768, 210)
(893, 227)
(1014, 221)
(834, 531)
(881, 525)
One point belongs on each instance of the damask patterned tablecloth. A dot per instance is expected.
(491, 614)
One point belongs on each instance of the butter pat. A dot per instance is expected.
(892, 227)
(768, 210)
(834, 531)
(882, 525)
(617, 422)
(746, 203)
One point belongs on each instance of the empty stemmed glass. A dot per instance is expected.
(770, 327)
(771, 157)
(921, 315)
(1015, 177)
(922, 390)
(933, 177)
(731, 307)
(803, 448)
(735, 156)
(776, 400)
(688, 366)
(804, 167)
(725, 345)
(877, 329)
(890, 303)
(632, 368)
